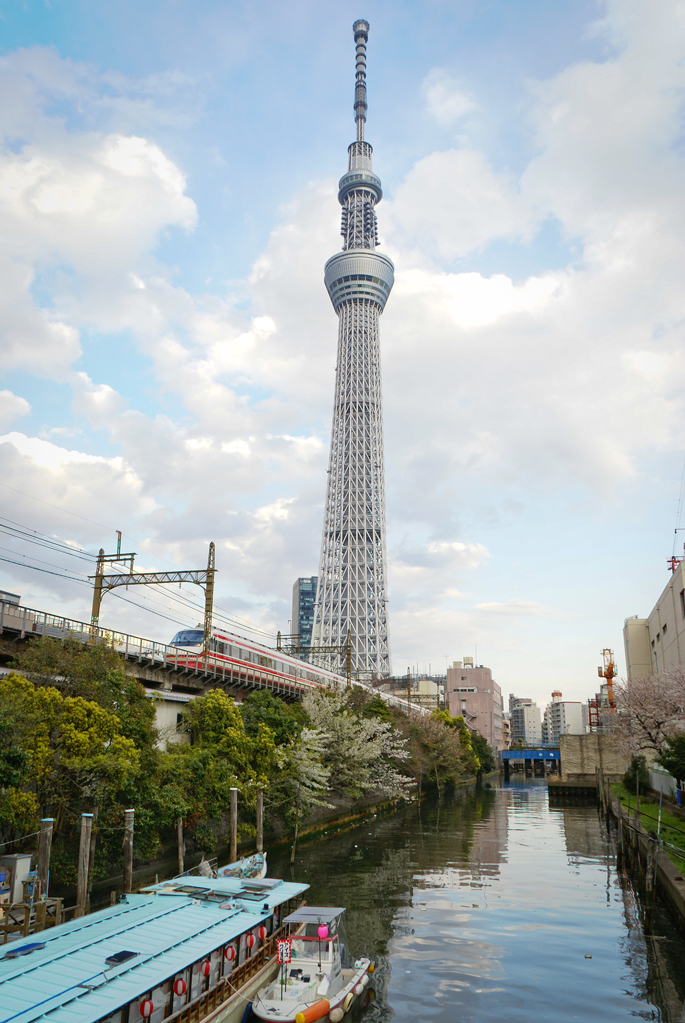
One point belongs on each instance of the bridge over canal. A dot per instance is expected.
(537, 762)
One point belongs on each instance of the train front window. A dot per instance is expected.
(189, 637)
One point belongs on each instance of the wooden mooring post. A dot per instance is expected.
(44, 848)
(260, 820)
(650, 877)
(128, 851)
(83, 864)
(181, 845)
(233, 851)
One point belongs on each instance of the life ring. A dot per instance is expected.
(348, 1001)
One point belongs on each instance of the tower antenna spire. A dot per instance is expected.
(361, 38)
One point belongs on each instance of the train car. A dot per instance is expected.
(252, 660)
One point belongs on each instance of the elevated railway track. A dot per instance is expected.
(163, 668)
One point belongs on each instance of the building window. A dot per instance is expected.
(658, 637)
(682, 602)
(664, 627)
(652, 642)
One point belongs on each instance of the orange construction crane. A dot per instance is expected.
(609, 673)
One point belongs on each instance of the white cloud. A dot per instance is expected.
(520, 608)
(12, 406)
(445, 100)
(472, 300)
(452, 203)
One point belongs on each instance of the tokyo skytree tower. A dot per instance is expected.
(351, 595)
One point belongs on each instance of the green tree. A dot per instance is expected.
(75, 752)
(442, 749)
(196, 777)
(484, 753)
(262, 708)
(636, 778)
(93, 672)
(672, 757)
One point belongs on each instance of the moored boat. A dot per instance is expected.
(249, 866)
(194, 947)
(314, 982)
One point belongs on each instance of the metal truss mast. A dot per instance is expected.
(351, 594)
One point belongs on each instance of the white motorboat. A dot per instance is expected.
(314, 982)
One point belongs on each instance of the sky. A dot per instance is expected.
(168, 200)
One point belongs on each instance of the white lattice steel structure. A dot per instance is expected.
(351, 594)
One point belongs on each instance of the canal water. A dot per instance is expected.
(492, 905)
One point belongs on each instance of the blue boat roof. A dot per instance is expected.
(68, 980)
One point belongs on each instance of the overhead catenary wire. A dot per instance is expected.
(185, 603)
(221, 614)
(138, 543)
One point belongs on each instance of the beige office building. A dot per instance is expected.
(473, 693)
(656, 643)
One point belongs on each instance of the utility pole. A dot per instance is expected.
(409, 688)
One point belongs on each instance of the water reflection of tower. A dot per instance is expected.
(351, 596)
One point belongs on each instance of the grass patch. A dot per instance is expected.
(672, 827)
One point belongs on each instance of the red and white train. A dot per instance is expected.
(244, 661)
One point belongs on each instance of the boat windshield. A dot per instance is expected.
(305, 948)
(189, 637)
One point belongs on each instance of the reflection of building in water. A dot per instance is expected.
(582, 837)
(490, 837)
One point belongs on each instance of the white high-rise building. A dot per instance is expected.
(562, 717)
(352, 593)
(526, 723)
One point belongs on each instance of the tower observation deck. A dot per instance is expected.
(351, 593)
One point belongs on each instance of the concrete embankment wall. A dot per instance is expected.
(639, 850)
(581, 756)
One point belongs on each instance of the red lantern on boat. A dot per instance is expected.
(180, 986)
(206, 968)
(263, 932)
(229, 953)
(250, 940)
(146, 1008)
